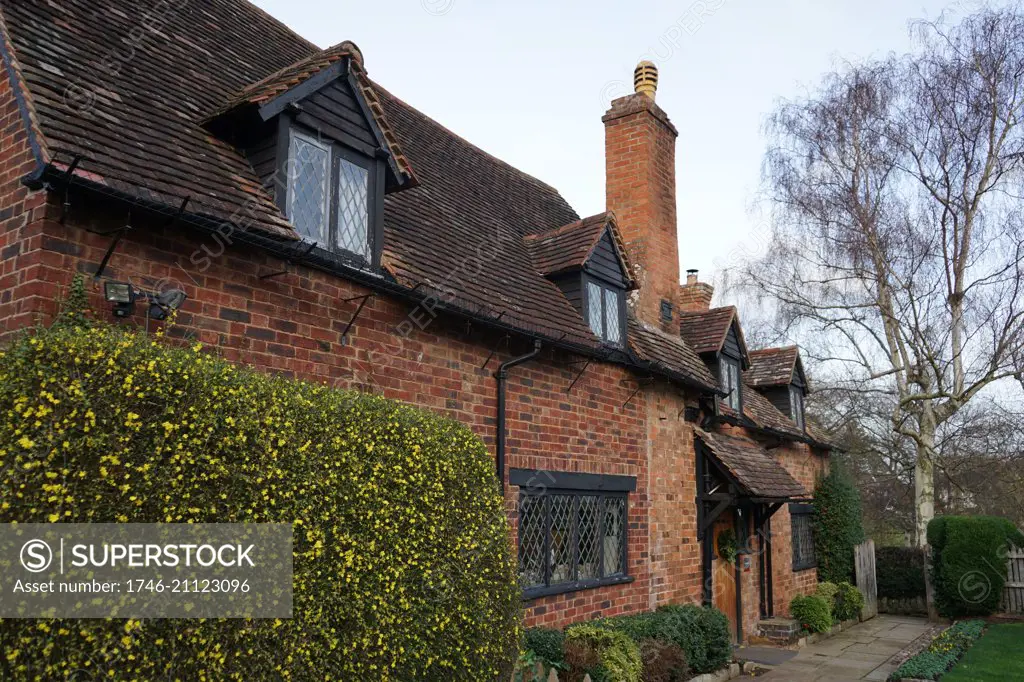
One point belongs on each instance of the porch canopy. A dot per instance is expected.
(739, 475)
(756, 475)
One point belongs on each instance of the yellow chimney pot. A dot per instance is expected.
(645, 79)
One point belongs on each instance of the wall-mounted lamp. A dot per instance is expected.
(123, 295)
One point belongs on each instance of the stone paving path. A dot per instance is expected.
(860, 653)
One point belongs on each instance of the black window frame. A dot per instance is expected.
(375, 168)
(546, 484)
(802, 514)
(737, 392)
(620, 298)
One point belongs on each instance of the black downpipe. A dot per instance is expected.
(501, 375)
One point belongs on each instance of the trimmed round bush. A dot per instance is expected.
(900, 572)
(813, 613)
(837, 525)
(402, 564)
(828, 591)
(969, 562)
(606, 655)
(848, 602)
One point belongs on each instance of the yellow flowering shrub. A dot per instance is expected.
(402, 565)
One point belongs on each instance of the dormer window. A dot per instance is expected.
(328, 194)
(796, 405)
(604, 311)
(729, 371)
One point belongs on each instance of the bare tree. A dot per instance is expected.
(898, 243)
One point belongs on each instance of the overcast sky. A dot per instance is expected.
(529, 80)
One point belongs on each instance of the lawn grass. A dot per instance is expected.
(996, 656)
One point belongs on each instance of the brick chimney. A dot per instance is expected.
(694, 296)
(640, 173)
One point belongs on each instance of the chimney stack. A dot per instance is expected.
(640, 173)
(695, 296)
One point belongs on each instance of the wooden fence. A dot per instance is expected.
(864, 556)
(1013, 591)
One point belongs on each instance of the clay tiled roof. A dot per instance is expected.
(752, 467)
(653, 345)
(772, 366)
(765, 415)
(569, 247)
(706, 331)
(462, 231)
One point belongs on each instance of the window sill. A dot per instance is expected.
(538, 592)
(810, 567)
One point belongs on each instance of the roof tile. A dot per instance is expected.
(706, 331)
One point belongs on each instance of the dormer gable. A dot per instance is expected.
(717, 336)
(778, 374)
(587, 261)
(318, 140)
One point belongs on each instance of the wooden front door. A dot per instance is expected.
(723, 575)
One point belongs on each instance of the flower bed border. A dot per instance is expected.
(952, 664)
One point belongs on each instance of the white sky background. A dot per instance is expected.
(528, 81)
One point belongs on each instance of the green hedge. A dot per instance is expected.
(402, 564)
(838, 527)
(812, 611)
(942, 654)
(701, 632)
(900, 572)
(969, 562)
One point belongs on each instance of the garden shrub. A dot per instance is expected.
(827, 591)
(837, 525)
(547, 645)
(606, 655)
(402, 564)
(662, 661)
(900, 572)
(942, 654)
(812, 612)
(969, 562)
(701, 632)
(848, 603)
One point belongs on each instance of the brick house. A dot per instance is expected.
(324, 229)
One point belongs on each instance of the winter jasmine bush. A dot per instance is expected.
(402, 564)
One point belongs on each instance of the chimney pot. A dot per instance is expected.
(645, 79)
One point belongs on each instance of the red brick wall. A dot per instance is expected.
(25, 286)
(292, 324)
(641, 191)
(675, 562)
(806, 468)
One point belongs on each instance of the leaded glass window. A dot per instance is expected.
(571, 538)
(796, 405)
(604, 312)
(802, 527)
(330, 195)
(353, 212)
(309, 173)
(730, 380)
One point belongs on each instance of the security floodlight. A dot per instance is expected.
(122, 295)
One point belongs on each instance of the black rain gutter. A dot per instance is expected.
(502, 376)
